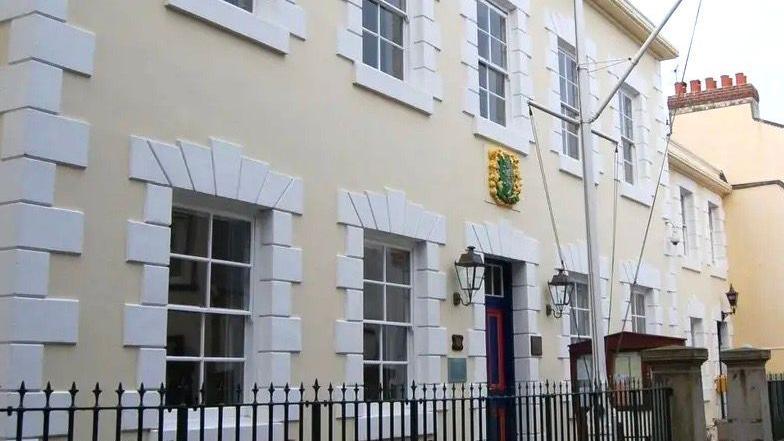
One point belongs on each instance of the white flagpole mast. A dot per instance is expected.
(589, 188)
(598, 354)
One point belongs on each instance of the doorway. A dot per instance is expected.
(500, 350)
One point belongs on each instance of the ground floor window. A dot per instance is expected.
(208, 311)
(638, 300)
(580, 316)
(696, 332)
(387, 330)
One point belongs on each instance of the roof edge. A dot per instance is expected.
(637, 25)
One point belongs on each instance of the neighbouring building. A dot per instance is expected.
(230, 192)
(721, 123)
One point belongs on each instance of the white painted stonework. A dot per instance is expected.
(649, 277)
(504, 241)
(219, 170)
(517, 134)
(422, 84)
(269, 25)
(391, 212)
(42, 49)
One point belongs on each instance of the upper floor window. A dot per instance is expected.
(383, 35)
(638, 314)
(713, 234)
(687, 219)
(567, 72)
(491, 36)
(244, 4)
(387, 320)
(580, 322)
(627, 136)
(208, 311)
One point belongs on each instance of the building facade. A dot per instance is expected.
(721, 123)
(236, 192)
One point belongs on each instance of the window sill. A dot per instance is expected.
(505, 136)
(235, 20)
(691, 264)
(570, 166)
(718, 272)
(636, 193)
(386, 85)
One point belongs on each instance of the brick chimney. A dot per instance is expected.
(712, 97)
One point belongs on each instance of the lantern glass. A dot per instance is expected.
(561, 289)
(732, 298)
(470, 272)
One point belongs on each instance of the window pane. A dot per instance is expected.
(182, 382)
(372, 380)
(395, 343)
(229, 287)
(628, 173)
(189, 233)
(483, 103)
(395, 381)
(498, 283)
(497, 26)
(183, 334)
(373, 302)
(369, 49)
(398, 266)
(244, 4)
(481, 16)
(497, 110)
(370, 15)
(372, 342)
(482, 75)
(392, 26)
(392, 59)
(231, 240)
(484, 45)
(398, 304)
(187, 282)
(374, 263)
(400, 4)
(497, 82)
(224, 336)
(222, 383)
(499, 53)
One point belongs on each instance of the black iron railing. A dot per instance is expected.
(776, 397)
(434, 412)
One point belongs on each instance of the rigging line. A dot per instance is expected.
(610, 60)
(661, 172)
(614, 236)
(546, 187)
(608, 66)
(572, 316)
(691, 40)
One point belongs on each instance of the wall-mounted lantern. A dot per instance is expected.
(561, 290)
(732, 298)
(469, 276)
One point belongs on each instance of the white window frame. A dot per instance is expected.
(713, 234)
(247, 359)
(696, 332)
(384, 4)
(574, 322)
(626, 103)
(686, 198)
(639, 316)
(567, 53)
(252, 5)
(489, 284)
(490, 65)
(410, 353)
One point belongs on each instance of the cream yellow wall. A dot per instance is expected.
(747, 151)
(164, 75)
(755, 253)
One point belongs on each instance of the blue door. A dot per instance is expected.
(500, 353)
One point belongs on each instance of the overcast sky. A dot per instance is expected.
(732, 36)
